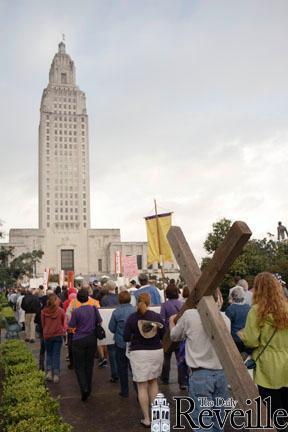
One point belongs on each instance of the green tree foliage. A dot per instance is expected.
(215, 238)
(6, 279)
(25, 263)
(12, 268)
(257, 256)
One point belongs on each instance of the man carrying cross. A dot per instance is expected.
(212, 324)
(207, 380)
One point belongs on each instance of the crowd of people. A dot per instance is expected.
(257, 319)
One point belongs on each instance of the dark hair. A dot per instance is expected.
(185, 292)
(124, 297)
(237, 279)
(171, 292)
(82, 295)
(143, 278)
(132, 281)
(41, 287)
(52, 302)
(58, 290)
(172, 282)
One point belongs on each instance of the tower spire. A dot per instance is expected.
(62, 46)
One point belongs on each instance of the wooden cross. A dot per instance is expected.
(201, 287)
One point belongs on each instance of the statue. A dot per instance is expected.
(281, 231)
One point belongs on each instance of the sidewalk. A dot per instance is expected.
(105, 410)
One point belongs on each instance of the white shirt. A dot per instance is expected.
(199, 351)
(162, 295)
(20, 313)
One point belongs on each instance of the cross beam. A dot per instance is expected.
(201, 287)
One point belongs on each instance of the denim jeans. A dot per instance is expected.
(209, 384)
(122, 366)
(112, 360)
(53, 351)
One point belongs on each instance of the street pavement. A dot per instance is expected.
(105, 410)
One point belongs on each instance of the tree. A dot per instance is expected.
(257, 256)
(6, 253)
(215, 238)
(1, 231)
(25, 263)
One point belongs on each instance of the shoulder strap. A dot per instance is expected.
(261, 352)
(95, 314)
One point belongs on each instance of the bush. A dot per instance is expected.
(26, 404)
(6, 312)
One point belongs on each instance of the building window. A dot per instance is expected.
(139, 262)
(67, 259)
(100, 269)
(63, 78)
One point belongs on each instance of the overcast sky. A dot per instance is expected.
(187, 102)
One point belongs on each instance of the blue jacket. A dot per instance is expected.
(117, 322)
(109, 299)
(237, 313)
(152, 290)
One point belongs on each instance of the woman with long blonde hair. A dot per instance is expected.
(266, 331)
(144, 330)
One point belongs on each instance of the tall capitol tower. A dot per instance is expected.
(64, 197)
(64, 232)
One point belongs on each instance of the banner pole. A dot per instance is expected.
(159, 242)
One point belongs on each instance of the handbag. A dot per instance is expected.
(168, 345)
(99, 330)
(251, 363)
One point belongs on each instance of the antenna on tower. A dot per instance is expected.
(63, 37)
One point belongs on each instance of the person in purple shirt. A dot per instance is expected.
(84, 319)
(171, 307)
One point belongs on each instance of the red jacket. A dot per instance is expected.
(53, 322)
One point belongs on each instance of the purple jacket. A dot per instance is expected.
(84, 319)
(133, 335)
(169, 308)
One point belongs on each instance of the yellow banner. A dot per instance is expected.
(158, 247)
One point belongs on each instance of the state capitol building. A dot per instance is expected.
(64, 233)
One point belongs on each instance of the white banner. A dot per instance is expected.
(106, 316)
(61, 278)
(35, 282)
(46, 279)
(117, 262)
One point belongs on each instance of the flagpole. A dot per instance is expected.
(158, 237)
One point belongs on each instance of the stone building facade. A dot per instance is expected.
(65, 234)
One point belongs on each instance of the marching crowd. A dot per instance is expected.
(257, 319)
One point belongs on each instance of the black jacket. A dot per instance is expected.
(30, 304)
